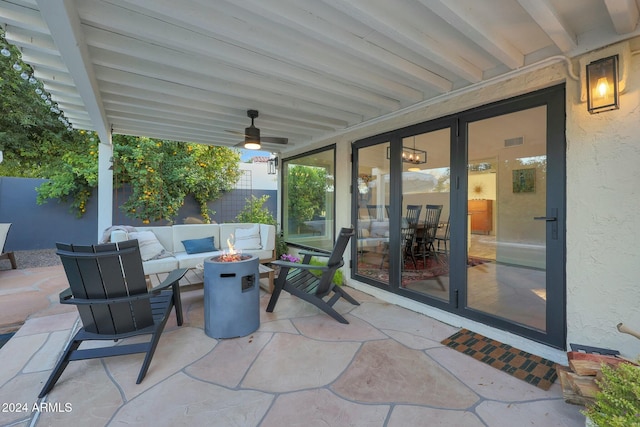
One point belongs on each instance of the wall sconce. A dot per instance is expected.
(272, 165)
(602, 85)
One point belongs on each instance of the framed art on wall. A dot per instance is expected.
(524, 180)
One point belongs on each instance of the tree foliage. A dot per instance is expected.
(307, 187)
(32, 138)
(161, 173)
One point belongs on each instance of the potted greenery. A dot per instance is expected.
(618, 401)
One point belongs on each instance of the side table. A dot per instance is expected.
(266, 272)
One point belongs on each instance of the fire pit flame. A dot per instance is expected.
(231, 255)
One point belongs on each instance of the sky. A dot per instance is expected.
(248, 154)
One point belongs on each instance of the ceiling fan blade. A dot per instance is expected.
(274, 140)
(235, 132)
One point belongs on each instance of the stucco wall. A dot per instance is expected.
(603, 225)
(603, 232)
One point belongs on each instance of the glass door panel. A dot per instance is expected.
(373, 192)
(425, 246)
(507, 182)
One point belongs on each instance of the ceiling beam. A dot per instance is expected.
(14, 15)
(47, 75)
(218, 36)
(39, 59)
(624, 14)
(198, 118)
(222, 81)
(323, 29)
(64, 24)
(28, 39)
(394, 27)
(548, 18)
(136, 81)
(209, 105)
(206, 128)
(460, 18)
(189, 63)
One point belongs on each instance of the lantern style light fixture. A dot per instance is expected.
(602, 85)
(272, 165)
(411, 155)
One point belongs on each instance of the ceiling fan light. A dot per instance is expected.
(252, 145)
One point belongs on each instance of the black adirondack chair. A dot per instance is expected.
(108, 286)
(298, 280)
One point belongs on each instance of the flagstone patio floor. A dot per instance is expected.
(301, 367)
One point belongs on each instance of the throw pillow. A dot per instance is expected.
(197, 246)
(247, 238)
(150, 247)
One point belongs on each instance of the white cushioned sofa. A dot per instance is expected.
(168, 252)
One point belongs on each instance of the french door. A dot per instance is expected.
(495, 177)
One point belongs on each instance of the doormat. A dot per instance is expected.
(528, 367)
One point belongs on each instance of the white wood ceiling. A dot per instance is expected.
(188, 70)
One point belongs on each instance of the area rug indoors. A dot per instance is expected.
(410, 273)
(525, 366)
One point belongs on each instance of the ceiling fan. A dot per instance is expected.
(251, 134)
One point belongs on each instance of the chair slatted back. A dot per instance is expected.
(409, 228)
(445, 237)
(108, 271)
(431, 221)
(335, 261)
(413, 214)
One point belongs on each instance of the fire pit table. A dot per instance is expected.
(231, 296)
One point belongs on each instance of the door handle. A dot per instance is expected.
(553, 219)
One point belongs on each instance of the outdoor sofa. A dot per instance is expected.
(165, 248)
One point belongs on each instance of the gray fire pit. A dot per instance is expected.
(231, 297)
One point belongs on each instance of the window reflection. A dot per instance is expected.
(309, 200)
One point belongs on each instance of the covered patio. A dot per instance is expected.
(386, 368)
(325, 74)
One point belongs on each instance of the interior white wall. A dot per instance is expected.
(603, 154)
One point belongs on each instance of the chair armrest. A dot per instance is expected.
(287, 264)
(67, 298)
(65, 295)
(173, 277)
(316, 254)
